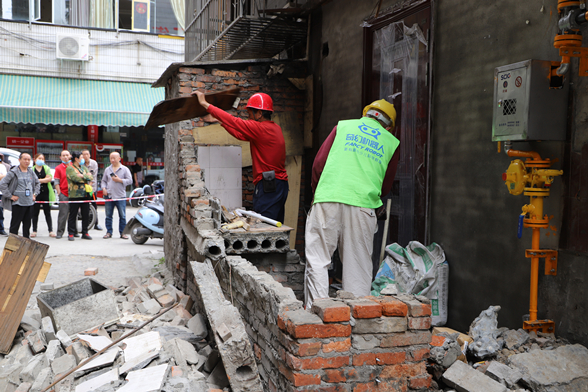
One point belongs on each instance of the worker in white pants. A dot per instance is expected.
(355, 166)
(332, 225)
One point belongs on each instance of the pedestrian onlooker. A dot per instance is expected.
(92, 165)
(62, 192)
(114, 182)
(43, 173)
(137, 170)
(19, 189)
(4, 167)
(79, 189)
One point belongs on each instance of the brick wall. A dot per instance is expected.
(365, 344)
(341, 345)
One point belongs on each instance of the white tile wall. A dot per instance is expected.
(118, 56)
(222, 173)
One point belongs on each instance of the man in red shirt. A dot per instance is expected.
(62, 193)
(268, 151)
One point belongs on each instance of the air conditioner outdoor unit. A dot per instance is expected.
(72, 47)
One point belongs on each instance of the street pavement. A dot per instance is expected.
(115, 258)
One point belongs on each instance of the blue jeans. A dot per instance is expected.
(271, 205)
(122, 214)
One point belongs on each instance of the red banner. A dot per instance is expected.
(20, 141)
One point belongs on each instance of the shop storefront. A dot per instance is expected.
(46, 115)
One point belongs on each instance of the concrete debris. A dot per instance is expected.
(514, 339)
(503, 374)
(562, 369)
(146, 380)
(445, 350)
(464, 378)
(63, 364)
(48, 329)
(484, 331)
(178, 340)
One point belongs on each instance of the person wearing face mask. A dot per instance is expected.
(19, 189)
(4, 167)
(79, 182)
(61, 188)
(43, 173)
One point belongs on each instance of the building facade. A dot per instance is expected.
(78, 74)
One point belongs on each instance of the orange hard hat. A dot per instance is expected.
(260, 101)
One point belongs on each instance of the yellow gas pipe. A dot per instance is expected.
(534, 179)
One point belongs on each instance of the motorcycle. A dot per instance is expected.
(148, 221)
(157, 187)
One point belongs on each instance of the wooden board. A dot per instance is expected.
(294, 168)
(21, 263)
(185, 108)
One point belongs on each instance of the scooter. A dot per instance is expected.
(158, 189)
(148, 221)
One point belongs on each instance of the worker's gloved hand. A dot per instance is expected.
(381, 213)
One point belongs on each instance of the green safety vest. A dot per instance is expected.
(357, 163)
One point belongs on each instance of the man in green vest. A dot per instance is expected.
(354, 167)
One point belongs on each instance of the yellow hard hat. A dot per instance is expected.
(382, 106)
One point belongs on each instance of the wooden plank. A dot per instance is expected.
(185, 108)
(21, 263)
(294, 169)
(44, 272)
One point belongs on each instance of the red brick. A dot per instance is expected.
(334, 376)
(185, 90)
(308, 349)
(201, 202)
(316, 362)
(331, 311)
(217, 72)
(300, 379)
(437, 341)
(319, 331)
(419, 323)
(197, 84)
(406, 339)
(420, 311)
(420, 382)
(333, 388)
(192, 168)
(341, 346)
(364, 308)
(404, 370)
(90, 271)
(257, 351)
(419, 354)
(196, 71)
(392, 307)
(390, 358)
(382, 386)
(364, 359)
(209, 79)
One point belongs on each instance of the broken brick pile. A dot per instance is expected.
(174, 353)
(344, 344)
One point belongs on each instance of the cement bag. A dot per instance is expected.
(419, 269)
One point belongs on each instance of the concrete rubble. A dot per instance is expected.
(524, 362)
(175, 353)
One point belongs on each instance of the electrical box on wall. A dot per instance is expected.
(529, 103)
